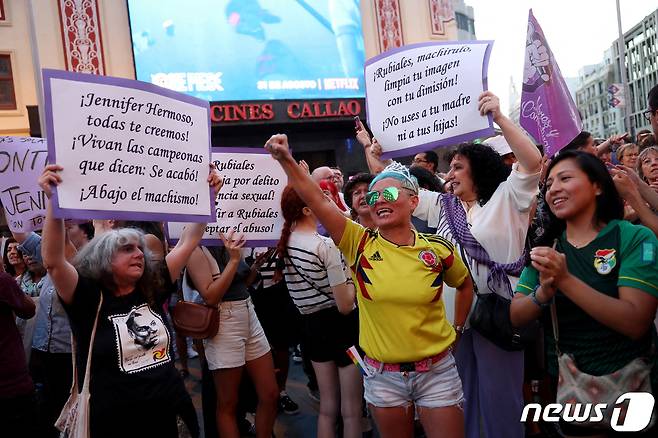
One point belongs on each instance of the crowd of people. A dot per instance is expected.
(466, 295)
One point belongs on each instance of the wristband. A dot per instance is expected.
(533, 297)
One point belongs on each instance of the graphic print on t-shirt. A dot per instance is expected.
(142, 339)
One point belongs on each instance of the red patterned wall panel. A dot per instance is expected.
(389, 24)
(81, 36)
(441, 12)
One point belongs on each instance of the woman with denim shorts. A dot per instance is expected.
(221, 278)
(399, 274)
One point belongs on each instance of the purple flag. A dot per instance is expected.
(548, 112)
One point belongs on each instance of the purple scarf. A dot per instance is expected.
(498, 272)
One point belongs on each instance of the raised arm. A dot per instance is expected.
(629, 191)
(646, 191)
(212, 284)
(63, 274)
(371, 148)
(524, 149)
(324, 209)
(606, 146)
(191, 236)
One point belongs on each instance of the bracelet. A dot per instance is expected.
(460, 329)
(533, 297)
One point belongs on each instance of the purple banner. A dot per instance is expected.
(548, 112)
(22, 160)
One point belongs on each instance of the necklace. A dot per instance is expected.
(469, 204)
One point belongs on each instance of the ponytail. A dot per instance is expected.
(292, 208)
(281, 251)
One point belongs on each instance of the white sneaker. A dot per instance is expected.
(191, 353)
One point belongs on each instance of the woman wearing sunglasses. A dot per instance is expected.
(399, 274)
(487, 218)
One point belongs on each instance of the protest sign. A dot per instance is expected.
(22, 160)
(130, 150)
(250, 200)
(426, 95)
(547, 110)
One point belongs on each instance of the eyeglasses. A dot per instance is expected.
(648, 113)
(390, 194)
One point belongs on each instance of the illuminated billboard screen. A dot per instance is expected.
(224, 50)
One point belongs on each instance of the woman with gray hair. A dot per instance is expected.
(647, 166)
(135, 388)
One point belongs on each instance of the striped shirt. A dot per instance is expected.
(313, 266)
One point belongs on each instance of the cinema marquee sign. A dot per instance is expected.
(285, 111)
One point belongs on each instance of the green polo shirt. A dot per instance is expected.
(622, 254)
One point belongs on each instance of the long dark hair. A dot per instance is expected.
(5, 257)
(292, 207)
(609, 205)
(488, 169)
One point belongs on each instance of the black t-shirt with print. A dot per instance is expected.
(132, 361)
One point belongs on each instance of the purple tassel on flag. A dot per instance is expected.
(548, 112)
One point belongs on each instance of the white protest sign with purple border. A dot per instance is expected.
(22, 160)
(250, 200)
(423, 96)
(130, 150)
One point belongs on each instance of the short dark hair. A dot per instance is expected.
(609, 205)
(488, 169)
(647, 142)
(652, 98)
(426, 179)
(433, 158)
(88, 229)
(350, 186)
(579, 141)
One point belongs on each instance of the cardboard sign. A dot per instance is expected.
(425, 95)
(130, 150)
(250, 200)
(22, 160)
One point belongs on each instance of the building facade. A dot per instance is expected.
(641, 63)
(593, 100)
(465, 20)
(93, 36)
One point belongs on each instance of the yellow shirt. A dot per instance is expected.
(398, 288)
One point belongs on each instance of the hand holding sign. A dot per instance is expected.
(233, 246)
(50, 178)
(489, 103)
(215, 179)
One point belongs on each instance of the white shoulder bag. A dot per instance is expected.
(73, 421)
